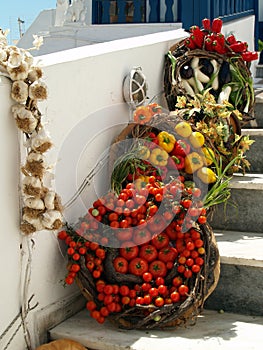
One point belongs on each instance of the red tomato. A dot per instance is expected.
(183, 289)
(175, 296)
(158, 269)
(147, 299)
(162, 289)
(161, 240)
(113, 216)
(120, 264)
(124, 234)
(148, 252)
(159, 301)
(124, 290)
(156, 224)
(147, 276)
(167, 254)
(129, 253)
(153, 292)
(141, 235)
(177, 281)
(196, 268)
(159, 281)
(138, 266)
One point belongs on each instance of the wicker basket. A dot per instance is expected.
(183, 56)
(172, 315)
(201, 285)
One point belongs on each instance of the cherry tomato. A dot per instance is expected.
(147, 276)
(175, 296)
(159, 301)
(183, 289)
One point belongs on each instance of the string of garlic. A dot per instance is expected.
(41, 205)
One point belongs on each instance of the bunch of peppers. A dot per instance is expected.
(210, 38)
(180, 151)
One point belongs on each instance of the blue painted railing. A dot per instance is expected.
(187, 12)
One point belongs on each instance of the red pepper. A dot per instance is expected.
(198, 38)
(208, 44)
(181, 148)
(217, 25)
(218, 48)
(206, 23)
(220, 38)
(190, 43)
(179, 162)
(238, 46)
(249, 56)
(231, 39)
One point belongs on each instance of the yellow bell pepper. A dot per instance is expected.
(206, 175)
(166, 141)
(208, 155)
(158, 157)
(193, 161)
(141, 182)
(144, 152)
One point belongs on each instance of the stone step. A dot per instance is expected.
(258, 107)
(240, 286)
(243, 211)
(254, 154)
(213, 330)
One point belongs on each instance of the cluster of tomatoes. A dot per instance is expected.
(155, 230)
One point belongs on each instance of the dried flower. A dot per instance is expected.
(38, 90)
(19, 91)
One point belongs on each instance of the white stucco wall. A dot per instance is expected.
(84, 111)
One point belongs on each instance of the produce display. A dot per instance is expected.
(144, 254)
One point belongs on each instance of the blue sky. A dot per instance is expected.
(27, 10)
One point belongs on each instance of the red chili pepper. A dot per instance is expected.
(198, 39)
(206, 23)
(208, 44)
(190, 43)
(199, 36)
(238, 46)
(217, 25)
(218, 48)
(220, 38)
(231, 39)
(249, 56)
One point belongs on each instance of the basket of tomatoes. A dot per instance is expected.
(144, 255)
(209, 60)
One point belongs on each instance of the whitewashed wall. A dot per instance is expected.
(84, 111)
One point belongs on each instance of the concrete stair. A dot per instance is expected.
(213, 331)
(233, 314)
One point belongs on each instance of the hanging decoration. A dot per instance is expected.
(40, 206)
